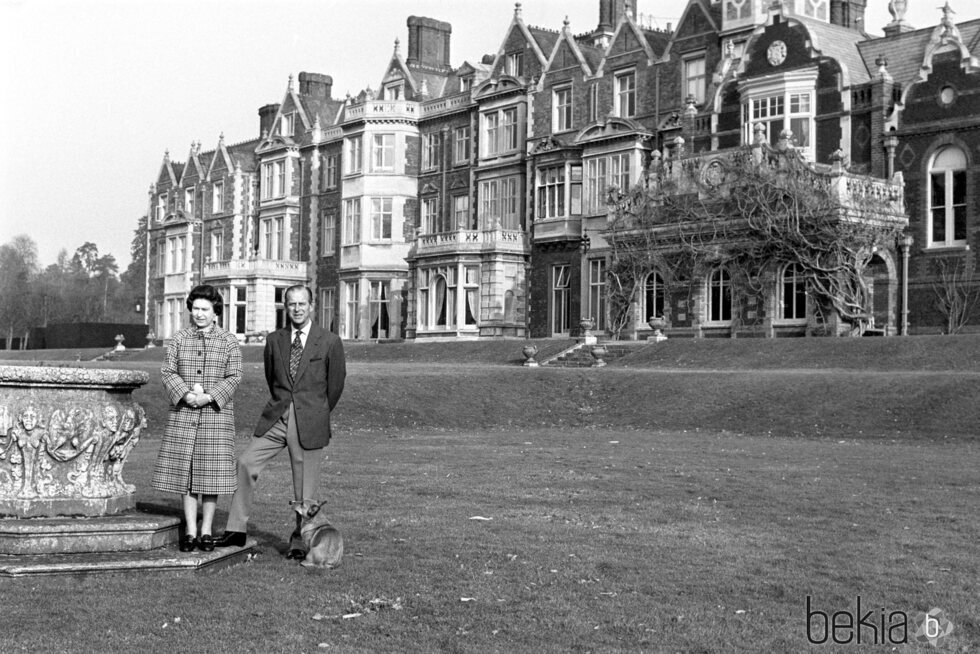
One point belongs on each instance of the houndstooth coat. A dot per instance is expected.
(197, 454)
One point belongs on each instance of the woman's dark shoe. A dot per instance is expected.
(188, 543)
(206, 543)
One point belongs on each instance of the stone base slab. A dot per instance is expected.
(166, 559)
(122, 533)
(68, 506)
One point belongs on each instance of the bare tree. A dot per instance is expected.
(753, 210)
(957, 293)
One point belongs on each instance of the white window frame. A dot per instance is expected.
(695, 77)
(792, 294)
(561, 103)
(217, 245)
(189, 200)
(719, 296)
(431, 219)
(430, 150)
(461, 211)
(625, 99)
(954, 172)
(500, 131)
(381, 218)
(785, 102)
(351, 232)
(330, 171)
(352, 303)
(287, 124)
(552, 192)
(499, 205)
(327, 311)
(272, 239)
(602, 172)
(592, 99)
(353, 155)
(379, 308)
(461, 144)
(561, 314)
(218, 198)
(383, 153)
(328, 230)
(654, 296)
(514, 64)
(597, 292)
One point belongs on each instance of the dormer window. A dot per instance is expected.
(393, 92)
(514, 64)
(466, 84)
(189, 201)
(695, 79)
(286, 124)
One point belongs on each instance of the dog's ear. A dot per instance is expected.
(312, 509)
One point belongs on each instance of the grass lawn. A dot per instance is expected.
(631, 508)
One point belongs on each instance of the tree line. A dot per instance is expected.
(83, 287)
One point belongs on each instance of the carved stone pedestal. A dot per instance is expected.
(65, 434)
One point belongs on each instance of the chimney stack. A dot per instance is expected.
(267, 116)
(428, 43)
(315, 85)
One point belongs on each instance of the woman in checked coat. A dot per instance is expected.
(197, 456)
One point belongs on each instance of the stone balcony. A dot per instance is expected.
(465, 241)
(383, 109)
(253, 268)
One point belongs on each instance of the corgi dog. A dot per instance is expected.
(324, 543)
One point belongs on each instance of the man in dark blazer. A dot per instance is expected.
(305, 370)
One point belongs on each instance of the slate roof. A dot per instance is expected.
(839, 43)
(545, 38)
(904, 52)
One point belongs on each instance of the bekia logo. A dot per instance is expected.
(875, 626)
(932, 627)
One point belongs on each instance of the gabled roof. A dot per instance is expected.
(192, 169)
(566, 40)
(221, 161)
(693, 10)
(626, 33)
(168, 172)
(535, 40)
(905, 54)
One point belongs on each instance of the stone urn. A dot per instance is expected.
(150, 338)
(530, 351)
(598, 352)
(587, 325)
(65, 434)
(658, 324)
(119, 343)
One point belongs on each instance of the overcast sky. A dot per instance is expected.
(96, 90)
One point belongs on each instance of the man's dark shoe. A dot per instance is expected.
(188, 543)
(298, 555)
(230, 539)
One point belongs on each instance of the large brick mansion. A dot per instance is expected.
(465, 201)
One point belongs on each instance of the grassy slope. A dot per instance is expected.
(634, 509)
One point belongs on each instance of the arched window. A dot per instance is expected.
(793, 298)
(947, 198)
(653, 296)
(719, 296)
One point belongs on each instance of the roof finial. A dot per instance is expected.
(517, 10)
(397, 46)
(629, 7)
(566, 23)
(290, 87)
(897, 9)
(947, 21)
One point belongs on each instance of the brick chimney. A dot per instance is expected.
(848, 13)
(428, 43)
(267, 116)
(315, 85)
(610, 11)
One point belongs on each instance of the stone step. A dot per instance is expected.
(135, 531)
(164, 559)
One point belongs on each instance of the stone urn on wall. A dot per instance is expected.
(530, 351)
(658, 324)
